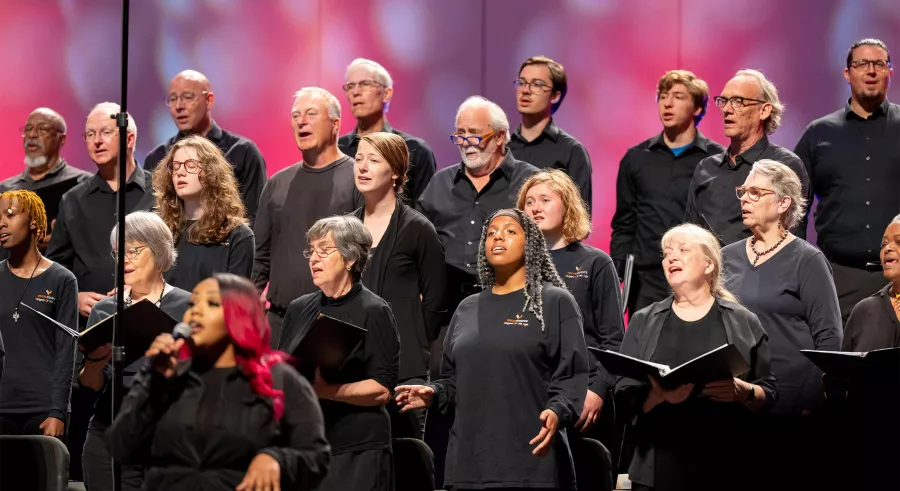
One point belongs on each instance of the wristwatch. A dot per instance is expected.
(751, 396)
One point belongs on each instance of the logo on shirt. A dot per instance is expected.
(45, 298)
(518, 321)
(579, 273)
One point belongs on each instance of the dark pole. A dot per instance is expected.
(118, 360)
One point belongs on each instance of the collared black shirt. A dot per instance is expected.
(854, 167)
(421, 159)
(241, 153)
(62, 171)
(554, 148)
(458, 211)
(651, 196)
(87, 215)
(711, 202)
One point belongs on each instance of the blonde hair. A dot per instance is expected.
(785, 183)
(576, 220)
(689, 233)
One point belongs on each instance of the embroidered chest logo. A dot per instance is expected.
(579, 273)
(45, 298)
(517, 321)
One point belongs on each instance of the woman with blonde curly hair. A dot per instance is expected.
(197, 196)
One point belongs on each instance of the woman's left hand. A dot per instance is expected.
(734, 390)
(264, 474)
(550, 422)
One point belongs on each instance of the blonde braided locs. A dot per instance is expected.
(539, 266)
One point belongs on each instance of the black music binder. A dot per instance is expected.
(721, 363)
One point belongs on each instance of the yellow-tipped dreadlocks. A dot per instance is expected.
(31, 203)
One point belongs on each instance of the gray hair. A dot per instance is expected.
(112, 109)
(54, 116)
(351, 237)
(895, 220)
(331, 102)
(769, 93)
(785, 183)
(379, 73)
(149, 229)
(498, 117)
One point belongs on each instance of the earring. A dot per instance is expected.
(779, 224)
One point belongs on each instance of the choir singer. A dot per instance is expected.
(515, 368)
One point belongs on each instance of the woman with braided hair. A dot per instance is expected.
(515, 362)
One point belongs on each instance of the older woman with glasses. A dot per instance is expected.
(352, 397)
(787, 282)
(149, 253)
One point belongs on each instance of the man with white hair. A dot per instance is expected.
(87, 212)
(369, 88)
(320, 185)
(751, 110)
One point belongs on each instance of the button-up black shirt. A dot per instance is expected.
(421, 159)
(854, 166)
(651, 196)
(554, 148)
(458, 211)
(87, 215)
(711, 201)
(60, 172)
(241, 153)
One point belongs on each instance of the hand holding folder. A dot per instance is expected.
(724, 362)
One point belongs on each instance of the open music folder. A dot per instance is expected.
(721, 363)
(854, 364)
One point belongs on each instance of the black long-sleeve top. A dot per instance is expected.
(794, 296)
(742, 329)
(591, 277)
(872, 324)
(651, 197)
(161, 427)
(197, 262)
(711, 201)
(499, 372)
(854, 170)
(409, 262)
(243, 155)
(40, 356)
(352, 428)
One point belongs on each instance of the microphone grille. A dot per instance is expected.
(182, 330)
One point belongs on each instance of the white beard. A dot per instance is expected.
(32, 162)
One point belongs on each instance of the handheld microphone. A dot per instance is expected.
(182, 330)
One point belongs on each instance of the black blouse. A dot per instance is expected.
(409, 261)
(872, 324)
(197, 262)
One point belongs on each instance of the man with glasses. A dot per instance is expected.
(853, 159)
(540, 90)
(751, 110)
(190, 100)
(320, 185)
(369, 90)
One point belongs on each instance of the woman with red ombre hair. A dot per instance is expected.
(221, 410)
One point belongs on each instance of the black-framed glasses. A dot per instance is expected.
(474, 140)
(130, 252)
(186, 97)
(191, 166)
(753, 192)
(42, 130)
(106, 134)
(362, 84)
(863, 65)
(736, 102)
(535, 85)
(322, 252)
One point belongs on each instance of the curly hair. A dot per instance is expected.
(538, 263)
(32, 204)
(576, 220)
(223, 210)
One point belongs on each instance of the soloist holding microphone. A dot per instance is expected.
(515, 368)
(222, 411)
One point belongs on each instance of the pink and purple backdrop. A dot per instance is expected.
(65, 54)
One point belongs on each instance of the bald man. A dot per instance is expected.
(190, 102)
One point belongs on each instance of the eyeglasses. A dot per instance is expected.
(753, 192)
(362, 84)
(863, 65)
(186, 97)
(321, 252)
(190, 165)
(736, 102)
(106, 134)
(42, 129)
(130, 252)
(535, 85)
(474, 140)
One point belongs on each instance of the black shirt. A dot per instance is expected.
(500, 370)
(351, 428)
(458, 211)
(591, 277)
(651, 197)
(197, 262)
(681, 341)
(794, 296)
(158, 427)
(39, 355)
(421, 159)
(87, 215)
(872, 324)
(241, 153)
(711, 201)
(556, 149)
(854, 167)
(292, 201)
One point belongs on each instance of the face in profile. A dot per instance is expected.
(313, 128)
(685, 264)
(185, 169)
(545, 207)
(140, 266)
(16, 226)
(372, 171)
(890, 252)
(504, 243)
(206, 317)
(759, 203)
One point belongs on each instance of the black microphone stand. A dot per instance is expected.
(118, 353)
